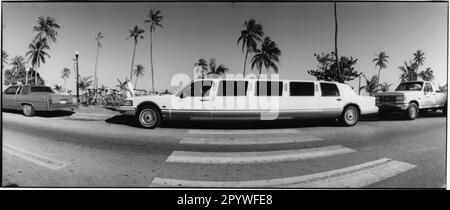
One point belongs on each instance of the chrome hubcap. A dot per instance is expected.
(350, 116)
(412, 111)
(147, 117)
(27, 110)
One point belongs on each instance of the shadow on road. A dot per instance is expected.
(59, 113)
(131, 121)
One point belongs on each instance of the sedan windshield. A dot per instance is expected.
(410, 86)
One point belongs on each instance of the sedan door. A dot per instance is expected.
(8, 97)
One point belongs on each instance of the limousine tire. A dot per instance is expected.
(149, 117)
(28, 110)
(412, 111)
(350, 116)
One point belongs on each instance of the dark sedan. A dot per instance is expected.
(32, 98)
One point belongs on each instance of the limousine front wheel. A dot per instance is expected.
(350, 116)
(149, 117)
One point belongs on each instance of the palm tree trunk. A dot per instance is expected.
(245, 60)
(260, 69)
(95, 70)
(35, 77)
(132, 61)
(379, 70)
(151, 60)
(135, 84)
(26, 77)
(335, 43)
(65, 85)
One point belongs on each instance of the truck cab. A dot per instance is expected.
(411, 98)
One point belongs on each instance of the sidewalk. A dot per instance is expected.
(93, 113)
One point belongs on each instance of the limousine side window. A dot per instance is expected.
(11, 90)
(196, 89)
(269, 88)
(301, 88)
(329, 89)
(232, 88)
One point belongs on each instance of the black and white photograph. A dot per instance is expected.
(224, 95)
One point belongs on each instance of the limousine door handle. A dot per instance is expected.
(339, 99)
(204, 99)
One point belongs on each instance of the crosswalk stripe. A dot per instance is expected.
(248, 141)
(35, 158)
(260, 131)
(356, 176)
(256, 157)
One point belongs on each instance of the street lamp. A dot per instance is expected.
(78, 76)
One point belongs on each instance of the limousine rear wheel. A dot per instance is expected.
(149, 117)
(28, 110)
(350, 116)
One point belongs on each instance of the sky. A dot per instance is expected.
(203, 30)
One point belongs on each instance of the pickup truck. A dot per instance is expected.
(412, 98)
(32, 98)
(251, 99)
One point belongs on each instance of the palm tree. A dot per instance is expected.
(335, 43)
(267, 56)
(202, 62)
(139, 71)
(46, 28)
(380, 62)
(85, 83)
(122, 85)
(215, 70)
(37, 54)
(99, 45)
(419, 57)
(4, 58)
(154, 19)
(57, 87)
(250, 36)
(371, 86)
(409, 71)
(384, 86)
(18, 63)
(427, 75)
(135, 33)
(65, 73)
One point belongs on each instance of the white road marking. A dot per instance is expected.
(262, 131)
(35, 158)
(256, 157)
(249, 141)
(356, 176)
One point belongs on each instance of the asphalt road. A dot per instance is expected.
(66, 151)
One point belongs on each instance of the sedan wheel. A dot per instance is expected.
(28, 110)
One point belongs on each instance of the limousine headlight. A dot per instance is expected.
(127, 103)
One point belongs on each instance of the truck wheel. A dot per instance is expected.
(350, 116)
(28, 110)
(149, 117)
(412, 111)
(383, 113)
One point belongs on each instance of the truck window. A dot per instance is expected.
(410, 86)
(428, 88)
(41, 89)
(232, 88)
(197, 89)
(301, 89)
(11, 90)
(329, 89)
(264, 88)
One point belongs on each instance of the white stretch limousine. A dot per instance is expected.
(251, 99)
